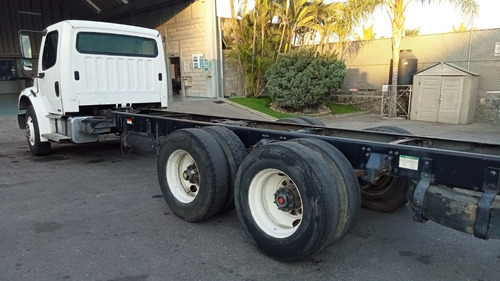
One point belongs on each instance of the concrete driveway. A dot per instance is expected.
(89, 212)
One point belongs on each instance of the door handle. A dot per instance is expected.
(56, 88)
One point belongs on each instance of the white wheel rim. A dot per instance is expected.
(30, 130)
(180, 170)
(261, 199)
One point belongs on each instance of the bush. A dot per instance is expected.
(300, 81)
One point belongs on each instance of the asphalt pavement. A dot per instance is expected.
(94, 212)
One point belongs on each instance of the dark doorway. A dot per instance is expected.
(175, 71)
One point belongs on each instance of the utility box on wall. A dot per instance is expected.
(444, 93)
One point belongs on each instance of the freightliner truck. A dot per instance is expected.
(296, 184)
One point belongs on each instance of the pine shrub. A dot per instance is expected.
(300, 81)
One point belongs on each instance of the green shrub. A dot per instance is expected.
(300, 81)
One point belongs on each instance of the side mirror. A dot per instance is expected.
(25, 43)
(26, 53)
(27, 64)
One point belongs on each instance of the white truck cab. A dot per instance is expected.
(86, 68)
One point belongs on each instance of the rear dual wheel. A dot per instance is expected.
(349, 190)
(386, 193)
(290, 202)
(196, 170)
(291, 198)
(234, 152)
(302, 120)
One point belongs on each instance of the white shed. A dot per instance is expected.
(444, 93)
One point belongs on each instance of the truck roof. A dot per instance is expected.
(106, 26)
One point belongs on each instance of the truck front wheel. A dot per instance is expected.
(37, 147)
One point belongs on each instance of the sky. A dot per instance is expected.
(437, 18)
(431, 18)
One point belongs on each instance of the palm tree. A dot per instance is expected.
(367, 34)
(253, 39)
(339, 19)
(396, 10)
(461, 28)
(295, 15)
(412, 31)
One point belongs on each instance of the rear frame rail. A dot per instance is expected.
(442, 171)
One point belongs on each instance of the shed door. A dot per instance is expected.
(450, 100)
(428, 98)
(439, 99)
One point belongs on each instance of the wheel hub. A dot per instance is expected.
(191, 174)
(286, 200)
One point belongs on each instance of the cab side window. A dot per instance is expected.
(49, 55)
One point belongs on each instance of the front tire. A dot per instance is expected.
(37, 147)
(285, 200)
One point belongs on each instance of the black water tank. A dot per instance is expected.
(408, 64)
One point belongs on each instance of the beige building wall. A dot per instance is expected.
(185, 34)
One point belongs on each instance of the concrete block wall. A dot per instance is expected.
(487, 106)
(232, 82)
(185, 36)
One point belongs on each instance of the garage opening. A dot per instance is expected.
(175, 71)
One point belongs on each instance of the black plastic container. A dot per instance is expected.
(408, 64)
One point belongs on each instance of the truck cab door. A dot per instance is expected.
(49, 72)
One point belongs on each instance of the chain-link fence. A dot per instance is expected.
(368, 62)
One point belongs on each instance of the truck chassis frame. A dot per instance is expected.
(455, 183)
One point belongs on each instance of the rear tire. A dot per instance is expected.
(285, 202)
(193, 174)
(302, 120)
(349, 190)
(312, 120)
(389, 129)
(37, 147)
(386, 193)
(235, 152)
(293, 120)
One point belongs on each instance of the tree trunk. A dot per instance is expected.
(284, 28)
(398, 20)
(393, 96)
(254, 37)
(236, 28)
